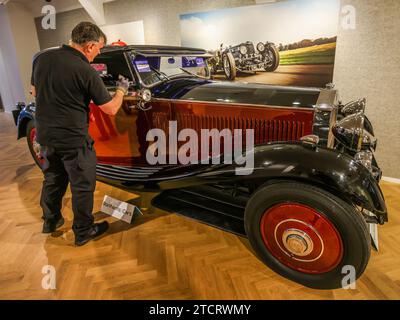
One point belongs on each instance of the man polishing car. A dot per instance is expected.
(64, 83)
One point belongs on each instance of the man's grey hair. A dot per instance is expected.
(85, 32)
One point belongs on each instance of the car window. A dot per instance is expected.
(153, 70)
(110, 66)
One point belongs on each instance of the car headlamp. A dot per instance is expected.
(350, 131)
(243, 49)
(260, 47)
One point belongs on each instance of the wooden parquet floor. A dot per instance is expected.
(159, 256)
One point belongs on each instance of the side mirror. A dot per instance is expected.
(144, 97)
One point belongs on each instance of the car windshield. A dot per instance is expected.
(153, 70)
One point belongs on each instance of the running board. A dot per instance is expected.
(209, 205)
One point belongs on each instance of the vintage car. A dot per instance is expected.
(311, 205)
(245, 58)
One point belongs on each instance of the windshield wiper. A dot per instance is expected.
(160, 73)
(188, 72)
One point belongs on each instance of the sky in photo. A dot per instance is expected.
(283, 22)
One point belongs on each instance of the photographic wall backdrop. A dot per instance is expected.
(287, 43)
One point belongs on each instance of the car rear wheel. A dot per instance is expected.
(307, 234)
(274, 58)
(34, 146)
(229, 66)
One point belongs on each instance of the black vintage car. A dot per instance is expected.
(311, 204)
(245, 58)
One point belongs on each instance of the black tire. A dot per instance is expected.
(273, 53)
(229, 66)
(349, 224)
(29, 127)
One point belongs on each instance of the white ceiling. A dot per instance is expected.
(35, 6)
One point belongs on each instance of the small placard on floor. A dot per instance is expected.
(119, 209)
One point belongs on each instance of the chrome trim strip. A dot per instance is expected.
(126, 175)
(140, 168)
(118, 170)
(123, 175)
(232, 104)
(123, 168)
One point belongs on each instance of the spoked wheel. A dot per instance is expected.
(34, 146)
(229, 66)
(273, 57)
(307, 234)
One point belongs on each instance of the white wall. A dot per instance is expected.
(368, 65)
(25, 40)
(11, 86)
(130, 32)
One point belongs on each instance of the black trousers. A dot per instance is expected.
(78, 167)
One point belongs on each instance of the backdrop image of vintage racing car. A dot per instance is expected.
(244, 57)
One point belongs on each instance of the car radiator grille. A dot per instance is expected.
(264, 130)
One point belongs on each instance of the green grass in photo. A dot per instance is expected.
(320, 54)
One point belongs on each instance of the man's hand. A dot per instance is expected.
(123, 84)
(113, 106)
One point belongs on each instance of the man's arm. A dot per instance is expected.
(113, 106)
(100, 93)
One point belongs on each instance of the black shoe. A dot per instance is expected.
(49, 226)
(96, 230)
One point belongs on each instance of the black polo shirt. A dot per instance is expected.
(65, 84)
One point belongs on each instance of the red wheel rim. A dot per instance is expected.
(36, 146)
(301, 238)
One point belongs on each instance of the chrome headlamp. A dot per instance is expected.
(350, 131)
(243, 49)
(260, 47)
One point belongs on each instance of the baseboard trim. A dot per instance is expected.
(392, 180)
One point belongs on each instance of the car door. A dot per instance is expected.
(121, 139)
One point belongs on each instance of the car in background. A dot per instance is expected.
(245, 58)
(311, 205)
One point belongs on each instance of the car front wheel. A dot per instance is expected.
(229, 66)
(273, 57)
(307, 234)
(34, 146)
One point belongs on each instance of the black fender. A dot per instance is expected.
(336, 172)
(24, 117)
(329, 169)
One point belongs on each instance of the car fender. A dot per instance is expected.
(336, 172)
(24, 117)
(329, 169)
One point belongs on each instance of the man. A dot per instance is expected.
(64, 83)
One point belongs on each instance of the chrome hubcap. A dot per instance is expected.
(297, 242)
